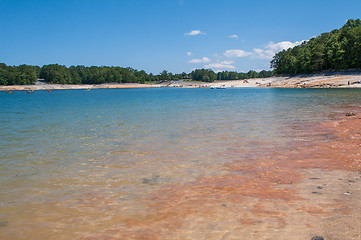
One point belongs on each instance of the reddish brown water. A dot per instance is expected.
(265, 197)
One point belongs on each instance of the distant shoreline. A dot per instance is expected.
(46, 86)
(334, 80)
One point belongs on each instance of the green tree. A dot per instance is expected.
(164, 75)
(338, 49)
(55, 73)
(204, 75)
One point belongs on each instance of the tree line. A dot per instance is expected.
(18, 75)
(60, 74)
(339, 49)
(207, 75)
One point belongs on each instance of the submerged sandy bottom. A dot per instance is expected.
(309, 187)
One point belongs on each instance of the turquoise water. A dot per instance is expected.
(70, 157)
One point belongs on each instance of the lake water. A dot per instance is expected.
(76, 163)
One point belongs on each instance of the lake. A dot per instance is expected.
(78, 164)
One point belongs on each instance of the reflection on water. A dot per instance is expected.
(79, 164)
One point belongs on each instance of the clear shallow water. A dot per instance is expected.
(73, 163)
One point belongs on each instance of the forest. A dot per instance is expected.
(60, 74)
(339, 49)
(18, 75)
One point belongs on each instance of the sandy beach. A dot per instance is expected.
(326, 80)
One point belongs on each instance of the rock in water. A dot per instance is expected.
(151, 181)
(317, 238)
(349, 114)
(3, 224)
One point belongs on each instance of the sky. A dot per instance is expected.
(156, 35)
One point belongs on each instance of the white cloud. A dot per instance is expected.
(227, 62)
(202, 60)
(263, 53)
(194, 33)
(272, 48)
(267, 52)
(236, 53)
(219, 66)
(234, 57)
(189, 53)
(233, 36)
(282, 45)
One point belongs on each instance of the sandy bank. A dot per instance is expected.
(326, 80)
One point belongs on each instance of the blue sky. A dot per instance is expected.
(157, 35)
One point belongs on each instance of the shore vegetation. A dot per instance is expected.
(339, 49)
